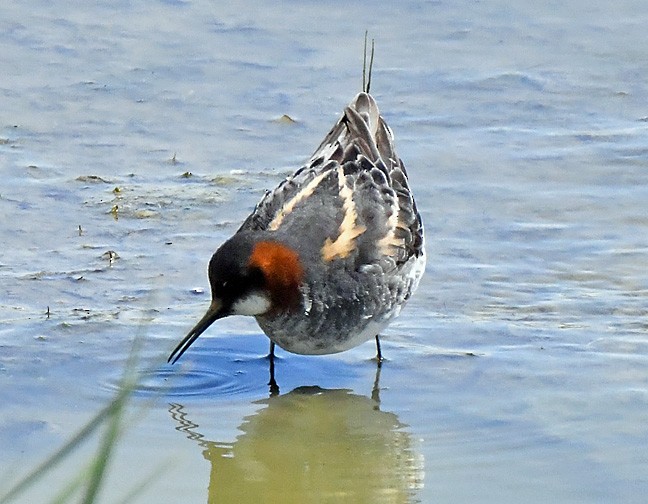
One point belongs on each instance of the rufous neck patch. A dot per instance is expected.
(281, 268)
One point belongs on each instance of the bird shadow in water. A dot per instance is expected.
(295, 448)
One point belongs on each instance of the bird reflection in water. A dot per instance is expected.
(312, 445)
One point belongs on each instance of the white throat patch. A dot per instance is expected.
(253, 304)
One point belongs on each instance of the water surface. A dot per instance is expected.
(136, 136)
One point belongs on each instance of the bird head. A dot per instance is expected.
(248, 276)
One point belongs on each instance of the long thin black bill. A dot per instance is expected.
(213, 313)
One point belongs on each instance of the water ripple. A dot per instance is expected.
(220, 374)
(194, 382)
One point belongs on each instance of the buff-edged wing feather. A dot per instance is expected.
(364, 144)
(291, 192)
(357, 165)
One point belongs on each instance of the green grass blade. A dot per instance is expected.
(86, 431)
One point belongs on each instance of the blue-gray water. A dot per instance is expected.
(518, 373)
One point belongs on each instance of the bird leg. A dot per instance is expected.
(379, 356)
(274, 388)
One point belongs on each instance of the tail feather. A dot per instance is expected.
(360, 130)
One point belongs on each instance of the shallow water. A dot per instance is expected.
(516, 374)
